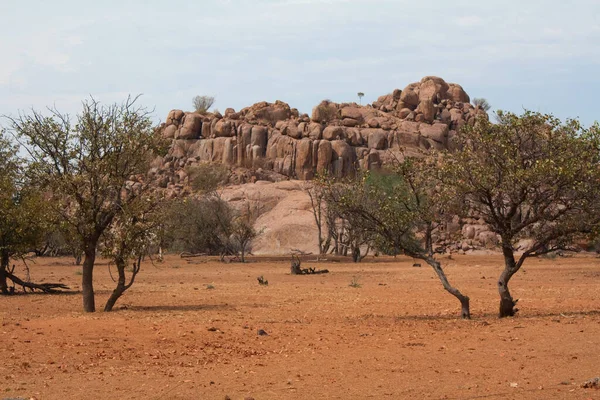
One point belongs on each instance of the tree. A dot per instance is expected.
(203, 103)
(199, 225)
(84, 167)
(482, 103)
(316, 193)
(529, 177)
(360, 96)
(391, 208)
(242, 229)
(23, 217)
(131, 235)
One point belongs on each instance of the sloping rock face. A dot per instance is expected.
(286, 220)
(336, 138)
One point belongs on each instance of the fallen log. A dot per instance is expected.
(44, 287)
(296, 270)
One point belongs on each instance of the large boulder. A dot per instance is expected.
(324, 156)
(169, 132)
(192, 126)
(409, 97)
(268, 113)
(437, 132)
(457, 93)
(174, 117)
(343, 158)
(304, 169)
(432, 88)
(352, 112)
(378, 139)
(333, 133)
(427, 109)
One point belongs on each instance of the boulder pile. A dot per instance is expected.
(335, 138)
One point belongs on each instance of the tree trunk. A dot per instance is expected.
(356, 254)
(464, 300)
(87, 282)
(120, 286)
(4, 261)
(507, 303)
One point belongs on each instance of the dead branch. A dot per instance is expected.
(44, 287)
(296, 270)
(186, 254)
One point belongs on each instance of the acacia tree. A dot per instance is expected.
(22, 217)
(392, 208)
(84, 167)
(529, 177)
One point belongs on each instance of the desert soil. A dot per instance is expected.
(397, 336)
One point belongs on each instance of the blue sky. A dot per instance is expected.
(534, 54)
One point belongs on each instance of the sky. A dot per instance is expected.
(540, 55)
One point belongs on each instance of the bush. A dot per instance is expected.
(200, 225)
(203, 103)
(206, 178)
(482, 103)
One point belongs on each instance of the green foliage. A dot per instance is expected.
(85, 167)
(23, 211)
(528, 176)
(199, 225)
(207, 178)
(379, 205)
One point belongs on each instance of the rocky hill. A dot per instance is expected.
(274, 142)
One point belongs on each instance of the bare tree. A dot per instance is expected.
(242, 228)
(482, 103)
(318, 207)
(203, 103)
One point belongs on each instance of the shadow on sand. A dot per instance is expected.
(179, 307)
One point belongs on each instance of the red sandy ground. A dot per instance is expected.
(395, 337)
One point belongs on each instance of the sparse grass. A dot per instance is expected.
(79, 272)
(550, 256)
(354, 282)
(210, 286)
(262, 281)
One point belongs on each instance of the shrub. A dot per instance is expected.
(203, 103)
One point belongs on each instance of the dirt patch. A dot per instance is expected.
(192, 331)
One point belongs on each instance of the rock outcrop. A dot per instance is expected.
(336, 138)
